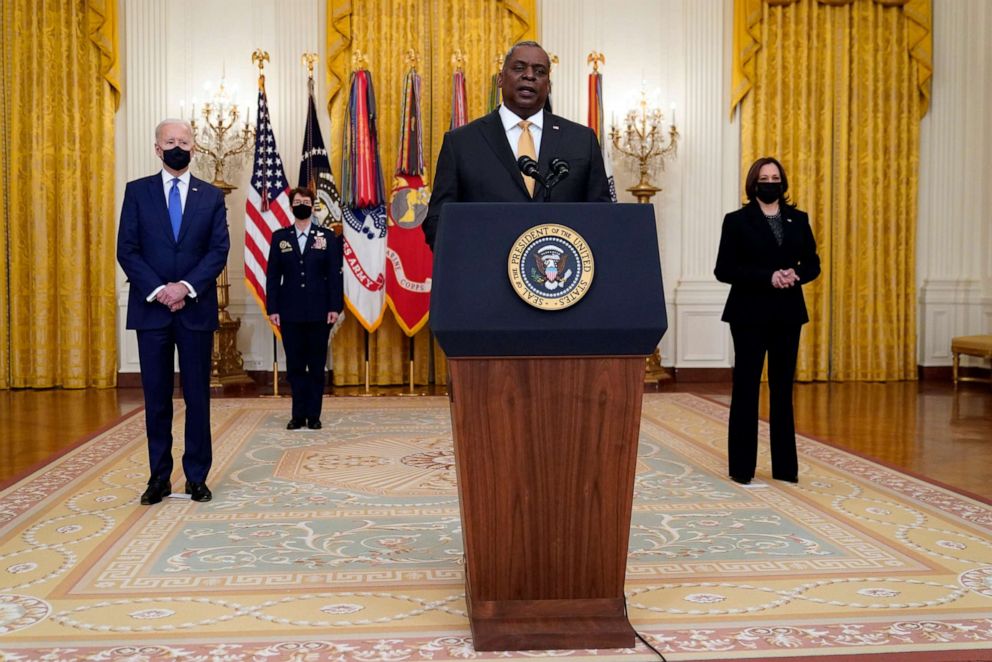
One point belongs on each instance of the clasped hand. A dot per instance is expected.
(784, 278)
(173, 296)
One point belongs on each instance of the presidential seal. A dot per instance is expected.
(550, 266)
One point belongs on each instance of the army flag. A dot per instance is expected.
(365, 227)
(409, 262)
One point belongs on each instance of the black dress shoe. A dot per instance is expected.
(198, 491)
(314, 424)
(156, 491)
(742, 481)
(294, 424)
(789, 479)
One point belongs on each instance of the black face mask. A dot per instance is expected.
(176, 158)
(769, 192)
(302, 211)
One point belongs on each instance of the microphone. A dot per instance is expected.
(558, 172)
(528, 166)
(559, 169)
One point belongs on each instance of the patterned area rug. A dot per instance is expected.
(345, 544)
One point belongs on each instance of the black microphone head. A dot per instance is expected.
(559, 167)
(527, 165)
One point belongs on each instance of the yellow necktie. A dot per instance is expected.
(525, 147)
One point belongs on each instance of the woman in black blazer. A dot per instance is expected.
(767, 253)
(304, 297)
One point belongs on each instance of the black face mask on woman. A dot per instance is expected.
(176, 158)
(302, 211)
(768, 192)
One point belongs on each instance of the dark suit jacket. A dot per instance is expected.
(304, 287)
(476, 164)
(151, 256)
(748, 257)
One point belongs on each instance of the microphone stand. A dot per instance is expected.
(552, 181)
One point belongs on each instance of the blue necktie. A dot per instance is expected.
(175, 208)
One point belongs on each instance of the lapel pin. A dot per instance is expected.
(195, 189)
(554, 126)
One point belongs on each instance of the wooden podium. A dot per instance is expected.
(545, 408)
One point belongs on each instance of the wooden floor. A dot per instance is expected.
(927, 428)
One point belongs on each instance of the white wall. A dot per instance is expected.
(679, 48)
(954, 238)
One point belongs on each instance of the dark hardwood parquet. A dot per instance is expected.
(928, 428)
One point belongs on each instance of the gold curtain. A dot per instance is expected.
(835, 89)
(384, 30)
(60, 89)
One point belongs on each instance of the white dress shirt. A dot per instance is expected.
(183, 186)
(301, 235)
(510, 125)
(183, 193)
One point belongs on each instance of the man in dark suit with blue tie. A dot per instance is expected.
(172, 244)
(478, 162)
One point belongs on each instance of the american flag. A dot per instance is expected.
(267, 207)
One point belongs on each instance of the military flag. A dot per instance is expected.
(595, 120)
(365, 227)
(459, 100)
(495, 96)
(409, 262)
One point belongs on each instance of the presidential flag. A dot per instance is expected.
(267, 207)
(409, 263)
(316, 175)
(315, 170)
(595, 122)
(365, 229)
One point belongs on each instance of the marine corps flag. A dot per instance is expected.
(409, 261)
(595, 118)
(365, 228)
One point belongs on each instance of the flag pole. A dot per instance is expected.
(412, 390)
(367, 363)
(411, 365)
(275, 367)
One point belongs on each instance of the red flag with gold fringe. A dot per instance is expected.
(409, 262)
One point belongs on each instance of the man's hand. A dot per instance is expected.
(177, 306)
(172, 294)
(274, 318)
(332, 317)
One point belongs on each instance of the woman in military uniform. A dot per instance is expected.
(304, 297)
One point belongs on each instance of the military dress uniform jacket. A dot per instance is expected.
(304, 287)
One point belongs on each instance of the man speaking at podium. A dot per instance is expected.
(483, 161)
